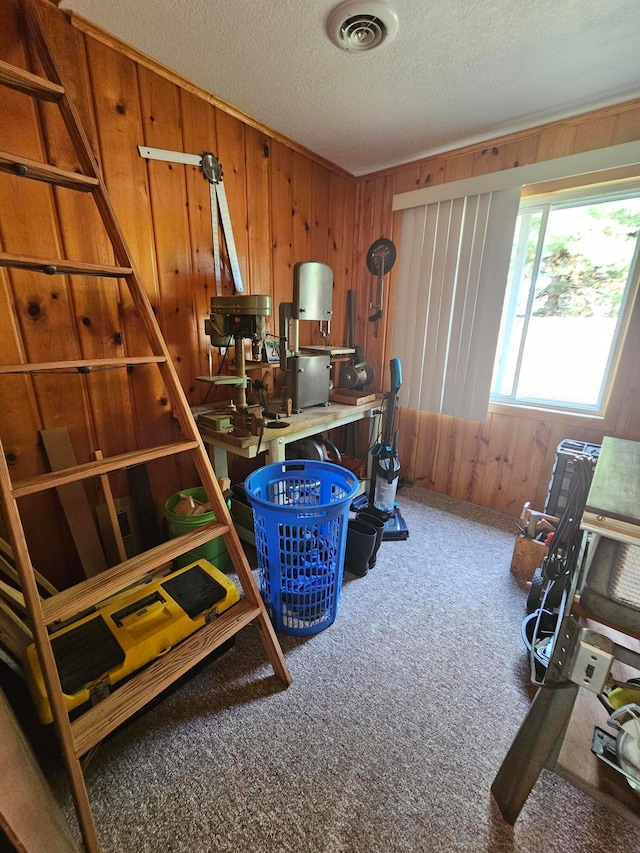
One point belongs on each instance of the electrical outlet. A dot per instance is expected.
(590, 667)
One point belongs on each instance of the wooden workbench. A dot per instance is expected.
(613, 504)
(317, 419)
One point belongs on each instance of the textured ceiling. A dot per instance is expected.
(458, 71)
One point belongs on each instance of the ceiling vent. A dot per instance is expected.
(362, 24)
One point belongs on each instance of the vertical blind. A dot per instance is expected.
(452, 276)
(453, 265)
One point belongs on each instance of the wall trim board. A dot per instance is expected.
(90, 29)
(584, 163)
(508, 138)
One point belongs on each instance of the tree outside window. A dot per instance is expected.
(572, 279)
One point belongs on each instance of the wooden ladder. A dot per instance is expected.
(77, 737)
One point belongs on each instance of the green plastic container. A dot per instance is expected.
(214, 551)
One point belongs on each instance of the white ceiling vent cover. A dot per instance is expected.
(362, 24)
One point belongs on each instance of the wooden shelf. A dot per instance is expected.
(576, 762)
(578, 765)
(223, 379)
(558, 730)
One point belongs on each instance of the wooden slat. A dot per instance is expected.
(613, 528)
(30, 84)
(6, 567)
(74, 501)
(60, 266)
(93, 469)
(169, 206)
(281, 226)
(43, 366)
(257, 165)
(231, 151)
(13, 596)
(199, 134)
(125, 171)
(301, 218)
(92, 591)
(15, 635)
(339, 242)
(107, 493)
(107, 715)
(25, 168)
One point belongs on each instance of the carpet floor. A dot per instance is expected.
(388, 739)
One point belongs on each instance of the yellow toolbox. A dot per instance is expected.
(130, 631)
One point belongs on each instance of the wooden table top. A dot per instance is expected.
(615, 488)
(316, 419)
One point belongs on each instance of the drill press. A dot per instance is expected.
(232, 320)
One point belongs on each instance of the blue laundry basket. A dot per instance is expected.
(300, 515)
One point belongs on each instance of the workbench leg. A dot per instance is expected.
(219, 461)
(276, 450)
(532, 747)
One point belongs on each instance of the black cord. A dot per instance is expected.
(561, 562)
(567, 539)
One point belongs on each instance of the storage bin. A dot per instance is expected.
(214, 551)
(300, 512)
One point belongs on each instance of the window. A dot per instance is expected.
(447, 321)
(572, 280)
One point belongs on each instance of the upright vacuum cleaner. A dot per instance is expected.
(386, 466)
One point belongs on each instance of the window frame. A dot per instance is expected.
(545, 202)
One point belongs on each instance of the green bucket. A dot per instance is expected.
(214, 551)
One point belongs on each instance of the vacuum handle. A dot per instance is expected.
(395, 369)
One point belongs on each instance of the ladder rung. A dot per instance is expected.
(99, 587)
(102, 466)
(107, 715)
(30, 84)
(25, 168)
(79, 364)
(59, 266)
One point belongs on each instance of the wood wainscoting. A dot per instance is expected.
(507, 459)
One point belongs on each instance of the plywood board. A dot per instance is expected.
(350, 397)
(29, 813)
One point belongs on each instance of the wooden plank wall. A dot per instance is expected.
(286, 206)
(507, 459)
